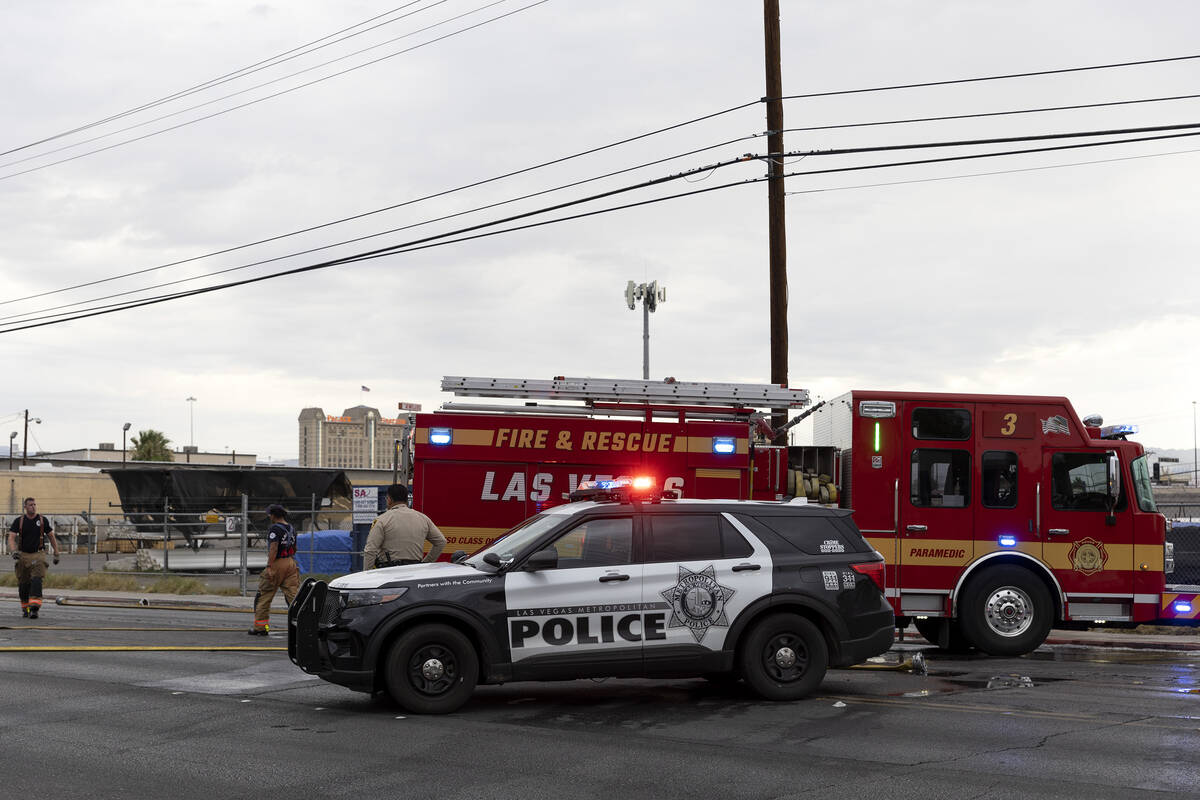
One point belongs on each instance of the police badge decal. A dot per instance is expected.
(698, 601)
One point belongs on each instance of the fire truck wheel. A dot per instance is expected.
(931, 630)
(783, 657)
(432, 669)
(1006, 611)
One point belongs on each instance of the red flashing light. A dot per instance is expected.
(873, 570)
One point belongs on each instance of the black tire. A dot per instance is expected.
(783, 657)
(930, 628)
(1006, 611)
(432, 669)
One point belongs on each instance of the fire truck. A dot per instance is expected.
(1000, 516)
(479, 469)
(997, 516)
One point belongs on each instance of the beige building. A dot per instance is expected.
(360, 438)
(110, 453)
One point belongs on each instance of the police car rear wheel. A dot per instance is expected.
(432, 669)
(784, 657)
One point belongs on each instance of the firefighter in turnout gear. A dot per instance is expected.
(27, 540)
(281, 572)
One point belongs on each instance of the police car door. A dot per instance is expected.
(701, 570)
(583, 617)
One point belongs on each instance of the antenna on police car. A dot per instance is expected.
(651, 294)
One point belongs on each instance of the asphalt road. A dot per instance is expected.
(231, 723)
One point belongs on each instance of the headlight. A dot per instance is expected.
(354, 598)
(1169, 557)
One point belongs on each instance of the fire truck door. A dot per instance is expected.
(1091, 558)
(1006, 514)
(937, 495)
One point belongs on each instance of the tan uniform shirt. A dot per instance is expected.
(401, 533)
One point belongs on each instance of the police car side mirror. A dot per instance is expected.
(458, 556)
(542, 559)
(492, 559)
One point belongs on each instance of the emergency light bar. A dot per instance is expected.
(1117, 431)
(723, 445)
(622, 490)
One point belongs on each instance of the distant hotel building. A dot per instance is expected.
(359, 439)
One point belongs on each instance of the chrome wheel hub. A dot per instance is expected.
(785, 657)
(1009, 611)
(433, 669)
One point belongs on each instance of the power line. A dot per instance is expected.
(252, 68)
(261, 99)
(990, 114)
(445, 238)
(990, 77)
(395, 206)
(31, 316)
(986, 174)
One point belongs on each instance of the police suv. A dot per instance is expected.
(625, 583)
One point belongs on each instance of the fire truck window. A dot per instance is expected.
(999, 479)
(684, 537)
(940, 478)
(813, 535)
(946, 424)
(596, 543)
(1079, 482)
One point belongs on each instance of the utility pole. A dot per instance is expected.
(776, 230)
(25, 448)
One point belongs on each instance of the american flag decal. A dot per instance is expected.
(1056, 424)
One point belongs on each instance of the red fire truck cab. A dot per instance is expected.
(1000, 516)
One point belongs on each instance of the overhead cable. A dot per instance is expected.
(1009, 76)
(257, 100)
(362, 215)
(238, 73)
(477, 231)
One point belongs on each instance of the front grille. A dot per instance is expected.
(332, 607)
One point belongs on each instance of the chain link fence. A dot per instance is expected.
(190, 544)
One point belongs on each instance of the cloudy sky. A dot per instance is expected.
(1067, 272)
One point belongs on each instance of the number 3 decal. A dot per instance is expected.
(1010, 425)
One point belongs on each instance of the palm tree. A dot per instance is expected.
(151, 445)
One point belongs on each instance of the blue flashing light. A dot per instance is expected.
(1183, 608)
(1115, 431)
(1008, 541)
(723, 445)
(440, 436)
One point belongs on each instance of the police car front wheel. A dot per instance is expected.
(432, 669)
(784, 657)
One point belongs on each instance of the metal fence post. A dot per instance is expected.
(312, 535)
(166, 533)
(91, 536)
(245, 534)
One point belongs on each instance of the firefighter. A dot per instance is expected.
(27, 540)
(399, 534)
(281, 571)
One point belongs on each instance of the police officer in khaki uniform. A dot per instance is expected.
(27, 542)
(398, 535)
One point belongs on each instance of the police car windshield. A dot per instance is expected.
(516, 540)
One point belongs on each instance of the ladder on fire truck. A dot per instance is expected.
(593, 390)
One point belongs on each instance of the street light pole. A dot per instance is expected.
(124, 430)
(11, 438)
(191, 421)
